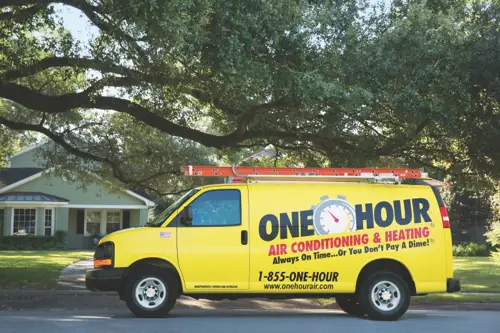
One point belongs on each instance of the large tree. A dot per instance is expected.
(334, 81)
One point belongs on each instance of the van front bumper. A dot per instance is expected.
(452, 285)
(104, 279)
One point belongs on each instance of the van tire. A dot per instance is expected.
(350, 305)
(153, 282)
(378, 286)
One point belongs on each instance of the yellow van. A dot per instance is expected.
(370, 245)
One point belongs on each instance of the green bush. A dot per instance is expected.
(31, 243)
(61, 235)
(471, 250)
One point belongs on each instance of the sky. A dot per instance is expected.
(76, 22)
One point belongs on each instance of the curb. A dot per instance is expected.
(54, 292)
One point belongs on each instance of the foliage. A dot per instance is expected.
(493, 234)
(61, 236)
(470, 250)
(31, 243)
(331, 82)
(469, 204)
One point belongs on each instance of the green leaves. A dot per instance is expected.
(325, 82)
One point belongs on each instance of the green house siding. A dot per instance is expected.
(27, 159)
(62, 218)
(94, 194)
(139, 215)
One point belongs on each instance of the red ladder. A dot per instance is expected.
(294, 173)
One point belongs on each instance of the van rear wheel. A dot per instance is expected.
(150, 292)
(384, 295)
(350, 305)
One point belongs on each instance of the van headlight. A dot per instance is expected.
(104, 255)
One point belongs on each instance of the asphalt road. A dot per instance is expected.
(235, 321)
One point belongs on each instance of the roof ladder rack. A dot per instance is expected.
(380, 175)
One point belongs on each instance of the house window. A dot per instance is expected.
(93, 222)
(24, 222)
(102, 221)
(49, 218)
(113, 221)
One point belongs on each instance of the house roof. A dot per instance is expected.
(30, 197)
(27, 149)
(10, 176)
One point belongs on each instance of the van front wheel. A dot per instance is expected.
(150, 293)
(384, 295)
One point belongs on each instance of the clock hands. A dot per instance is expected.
(334, 218)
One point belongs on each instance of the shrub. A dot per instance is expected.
(471, 250)
(30, 243)
(61, 235)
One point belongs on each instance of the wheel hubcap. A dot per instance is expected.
(150, 293)
(386, 296)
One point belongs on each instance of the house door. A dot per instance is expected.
(213, 251)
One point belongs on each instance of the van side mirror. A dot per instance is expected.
(187, 215)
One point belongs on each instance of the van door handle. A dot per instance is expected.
(244, 237)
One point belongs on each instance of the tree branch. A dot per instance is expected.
(53, 62)
(59, 139)
(92, 14)
(402, 140)
(64, 103)
(11, 3)
(251, 113)
(158, 174)
(20, 14)
(53, 136)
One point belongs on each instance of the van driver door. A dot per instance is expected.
(212, 246)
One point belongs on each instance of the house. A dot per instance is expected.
(32, 202)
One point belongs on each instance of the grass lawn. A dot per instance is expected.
(35, 269)
(457, 298)
(477, 274)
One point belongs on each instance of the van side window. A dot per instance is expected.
(217, 208)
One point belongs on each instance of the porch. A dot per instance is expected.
(41, 214)
(84, 223)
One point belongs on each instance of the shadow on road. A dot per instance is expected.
(309, 314)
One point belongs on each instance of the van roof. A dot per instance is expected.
(318, 183)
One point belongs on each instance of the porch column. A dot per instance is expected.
(7, 223)
(40, 221)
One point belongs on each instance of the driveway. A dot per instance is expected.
(73, 276)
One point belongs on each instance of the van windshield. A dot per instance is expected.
(158, 221)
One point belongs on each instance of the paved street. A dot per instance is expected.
(234, 321)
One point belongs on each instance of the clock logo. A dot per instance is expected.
(333, 216)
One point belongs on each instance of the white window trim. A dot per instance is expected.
(12, 220)
(52, 222)
(103, 222)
